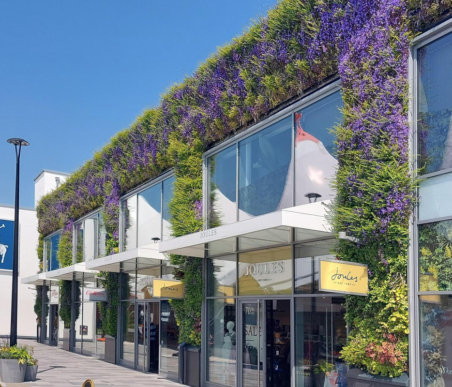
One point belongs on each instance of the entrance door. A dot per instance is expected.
(265, 343)
(53, 325)
(147, 336)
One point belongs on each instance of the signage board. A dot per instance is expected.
(94, 294)
(54, 295)
(6, 244)
(168, 288)
(343, 277)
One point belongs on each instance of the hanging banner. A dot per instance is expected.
(343, 277)
(6, 244)
(54, 295)
(168, 289)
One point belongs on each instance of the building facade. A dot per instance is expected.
(321, 136)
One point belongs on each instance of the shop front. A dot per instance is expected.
(267, 321)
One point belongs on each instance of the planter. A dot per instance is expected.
(11, 371)
(110, 349)
(359, 378)
(192, 366)
(66, 339)
(31, 373)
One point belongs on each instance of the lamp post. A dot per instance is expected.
(18, 144)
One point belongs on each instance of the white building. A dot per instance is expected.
(28, 257)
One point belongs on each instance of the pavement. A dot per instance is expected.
(60, 368)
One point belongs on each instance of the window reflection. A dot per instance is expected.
(168, 186)
(222, 188)
(169, 337)
(264, 160)
(435, 256)
(54, 246)
(79, 234)
(130, 223)
(222, 276)
(222, 345)
(266, 272)
(434, 104)
(149, 215)
(315, 162)
(436, 340)
(319, 338)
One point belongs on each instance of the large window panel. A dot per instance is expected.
(222, 276)
(315, 160)
(435, 256)
(222, 189)
(90, 238)
(434, 197)
(102, 238)
(169, 340)
(168, 187)
(130, 223)
(149, 214)
(434, 105)
(79, 235)
(55, 243)
(265, 179)
(222, 342)
(436, 340)
(266, 272)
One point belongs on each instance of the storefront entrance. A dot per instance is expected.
(148, 333)
(264, 343)
(53, 325)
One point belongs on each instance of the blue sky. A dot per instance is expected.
(73, 73)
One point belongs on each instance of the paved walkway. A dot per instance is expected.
(60, 368)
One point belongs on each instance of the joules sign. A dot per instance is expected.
(343, 277)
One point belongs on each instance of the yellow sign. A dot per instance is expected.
(343, 277)
(168, 288)
(431, 298)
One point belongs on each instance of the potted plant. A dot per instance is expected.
(32, 367)
(13, 365)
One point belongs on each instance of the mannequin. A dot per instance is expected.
(228, 349)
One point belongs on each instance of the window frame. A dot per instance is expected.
(47, 239)
(289, 111)
(90, 215)
(135, 192)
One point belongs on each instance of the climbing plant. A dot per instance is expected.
(66, 302)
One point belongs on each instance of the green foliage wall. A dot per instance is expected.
(66, 302)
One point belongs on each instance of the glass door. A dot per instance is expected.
(142, 347)
(252, 343)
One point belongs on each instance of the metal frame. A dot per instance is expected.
(310, 99)
(413, 256)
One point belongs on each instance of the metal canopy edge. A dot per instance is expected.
(309, 217)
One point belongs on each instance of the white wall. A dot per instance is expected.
(28, 266)
(46, 182)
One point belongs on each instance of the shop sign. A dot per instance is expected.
(6, 244)
(343, 277)
(93, 294)
(168, 289)
(54, 295)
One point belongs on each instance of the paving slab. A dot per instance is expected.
(59, 368)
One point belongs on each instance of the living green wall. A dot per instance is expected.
(300, 46)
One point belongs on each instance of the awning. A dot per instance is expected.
(308, 220)
(66, 273)
(37, 279)
(144, 256)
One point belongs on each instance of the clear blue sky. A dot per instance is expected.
(73, 73)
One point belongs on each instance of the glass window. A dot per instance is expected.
(307, 265)
(79, 234)
(320, 334)
(149, 215)
(266, 272)
(48, 251)
(89, 240)
(168, 186)
(222, 276)
(127, 354)
(315, 159)
(130, 223)
(169, 339)
(54, 242)
(434, 104)
(221, 354)
(265, 179)
(222, 189)
(436, 340)
(145, 281)
(434, 200)
(102, 238)
(435, 256)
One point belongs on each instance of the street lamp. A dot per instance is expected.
(18, 144)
